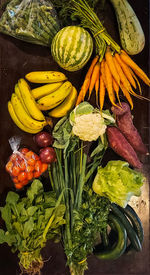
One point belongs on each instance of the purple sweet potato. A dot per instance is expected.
(127, 128)
(122, 147)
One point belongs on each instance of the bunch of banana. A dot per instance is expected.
(24, 111)
(58, 95)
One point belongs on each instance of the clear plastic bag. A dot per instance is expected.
(33, 21)
(23, 165)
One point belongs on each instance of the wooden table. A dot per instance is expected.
(18, 58)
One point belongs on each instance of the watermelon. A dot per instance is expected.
(72, 47)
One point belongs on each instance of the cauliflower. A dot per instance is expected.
(87, 123)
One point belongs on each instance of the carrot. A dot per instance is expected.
(127, 95)
(116, 89)
(86, 82)
(111, 65)
(94, 76)
(97, 88)
(101, 92)
(123, 78)
(103, 71)
(138, 83)
(135, 67)
(109, 85)
(126, 70)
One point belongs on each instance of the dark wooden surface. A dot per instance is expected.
(18, 58)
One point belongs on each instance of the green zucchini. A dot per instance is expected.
(132, 235)
(118, 249)
(131, 33)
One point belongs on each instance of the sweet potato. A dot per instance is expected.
(127, 128)
(122, 147)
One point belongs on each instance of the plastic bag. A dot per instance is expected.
(33, 21)
(23, 165)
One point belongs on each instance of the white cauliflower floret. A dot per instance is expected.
(89, 127)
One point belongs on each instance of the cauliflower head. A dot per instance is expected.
(87, 123)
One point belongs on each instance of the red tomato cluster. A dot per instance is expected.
(25, 166)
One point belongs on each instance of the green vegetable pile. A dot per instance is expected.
(30, 222)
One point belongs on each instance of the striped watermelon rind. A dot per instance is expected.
(72, 47)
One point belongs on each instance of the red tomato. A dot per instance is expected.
(15, 171)
(18, 185)
(29, 155)
(31, 162)
(30, 175)
(44, 167)
(24, 182)
(24, 150)
(22, 176)
(29, 169)
(38, 166)
(36, 174)
(15, 180)
(13, 157)
(22, 165)
(9, 166)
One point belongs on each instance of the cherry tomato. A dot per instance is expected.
(9, 166)
(30, 175)
(24, 182)
(31, 162)
(38, 166)
(15, 180)
(44, 167)
(15, 171)
(22, 176)
(29, 155)
(29, 169)
(36, 174)
(24, 150)
(18, 185)
(22, 165)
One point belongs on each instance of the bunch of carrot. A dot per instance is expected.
(116, 71)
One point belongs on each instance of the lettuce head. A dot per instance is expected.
(117, 182)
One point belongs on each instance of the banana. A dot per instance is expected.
(54, 99)
(18, 122)
(45, 77)
(17, 92)
(45, 89)
(66, 106)
(22, 115)
(29, 100)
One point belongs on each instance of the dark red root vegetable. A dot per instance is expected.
(127, 128)
(122, 147)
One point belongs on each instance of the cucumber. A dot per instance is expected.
(135, 220)
(119, 248)
(105, 238)
(132, 235)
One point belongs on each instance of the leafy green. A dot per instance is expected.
(118, 182)
(62, 133)
(30, 222)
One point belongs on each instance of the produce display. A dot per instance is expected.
(63, 188)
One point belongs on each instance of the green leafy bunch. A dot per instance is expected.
(31, 221)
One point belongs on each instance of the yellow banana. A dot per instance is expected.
(18, 122)
(66, 105)
(17, 92)
(29, 100)
(54, 99)
(45, 89)
(22, 115)
(45, 77)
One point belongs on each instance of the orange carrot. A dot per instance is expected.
(135, 67)
(97, 88)
(127, 95)
(101, 92)
(111, 65)
(103, 71)
(138, 83)
(123, 78)
(86, 82)
(126, 70)
(109, 85)
(94, 76)
(116, 89)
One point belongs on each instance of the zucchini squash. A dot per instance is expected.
(131, 33)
